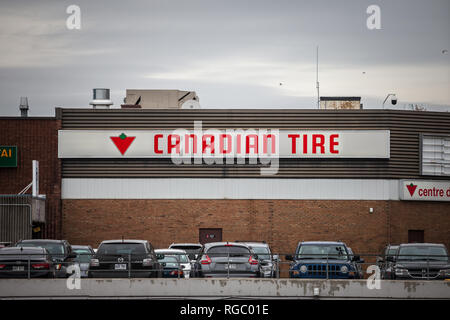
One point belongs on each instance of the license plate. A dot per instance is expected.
(18, 268)
(231, 266)
(121, 266)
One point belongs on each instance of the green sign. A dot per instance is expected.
(8, 156)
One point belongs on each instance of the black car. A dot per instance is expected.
(386, 260)
(226, 259)
(426, 261)
(324, 260)
(24, 262)
(60, 252)
(123, 259)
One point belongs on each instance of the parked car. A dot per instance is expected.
(226, 259)
(19, 262)
(323, 259)
(125, 258)
(84, 255)
(358, 264)
(182, 258)
(192, 249)
(171, 267)
(5, 244)
(385, 264)
(429, 261)
(60, 251)
(268, 261)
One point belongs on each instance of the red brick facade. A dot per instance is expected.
(36, 139)
(282, 223)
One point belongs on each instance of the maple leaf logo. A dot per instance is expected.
(122, 142)
(411, 189)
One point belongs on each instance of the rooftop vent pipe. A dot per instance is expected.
(23, 107)
(101, 98)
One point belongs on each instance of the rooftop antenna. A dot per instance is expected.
(317, 77)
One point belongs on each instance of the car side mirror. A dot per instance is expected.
(356, 258)
(390, 259)
(255, 256)
(289, 257)
(159, 256)
(276, 257)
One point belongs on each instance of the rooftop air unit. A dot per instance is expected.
(101, 98)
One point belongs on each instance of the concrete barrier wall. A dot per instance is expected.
(221, 288)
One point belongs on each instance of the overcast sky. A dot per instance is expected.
(234, 54)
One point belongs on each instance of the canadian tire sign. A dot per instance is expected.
(422, 190)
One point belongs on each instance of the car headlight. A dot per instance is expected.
(344, 269)
(303, 269)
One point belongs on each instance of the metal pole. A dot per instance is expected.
(29, 276)
(327, 265)
(317, 77)
(228, 264)
(129, 265)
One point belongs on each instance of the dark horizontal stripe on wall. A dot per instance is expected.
(405, 128)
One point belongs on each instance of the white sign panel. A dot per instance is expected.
(223, 143)
(425, 190)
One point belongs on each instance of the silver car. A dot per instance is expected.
(227, 259)
(84, 255)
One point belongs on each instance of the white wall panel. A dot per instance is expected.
(140, 188)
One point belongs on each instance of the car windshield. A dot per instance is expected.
(52, 247)
(83, 255)
(322, 251)
(392, 251)
(191, 250)
(430, 253)
(228, 251)
(170, 261)
(180, 256)
(121, 249)
(262, 252)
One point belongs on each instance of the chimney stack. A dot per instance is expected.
(23, 107)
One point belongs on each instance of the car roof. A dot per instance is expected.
(323, 242)
(422, 245)
(186, 244)
(81, 247)
(124, 241)
(24, 250)
(215, 244)
(41, 240)
(255, 244)
(171, 251)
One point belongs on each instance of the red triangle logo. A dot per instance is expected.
(411, 189)
(122, 142)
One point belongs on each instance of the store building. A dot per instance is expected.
(366, 177)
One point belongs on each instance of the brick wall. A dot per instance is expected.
(282, 223)
(36, 139)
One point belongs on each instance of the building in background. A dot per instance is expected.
(105, 177)
(340, 103)
(161, 99)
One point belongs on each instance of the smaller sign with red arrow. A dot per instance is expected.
(425, 190)
(122, 142)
